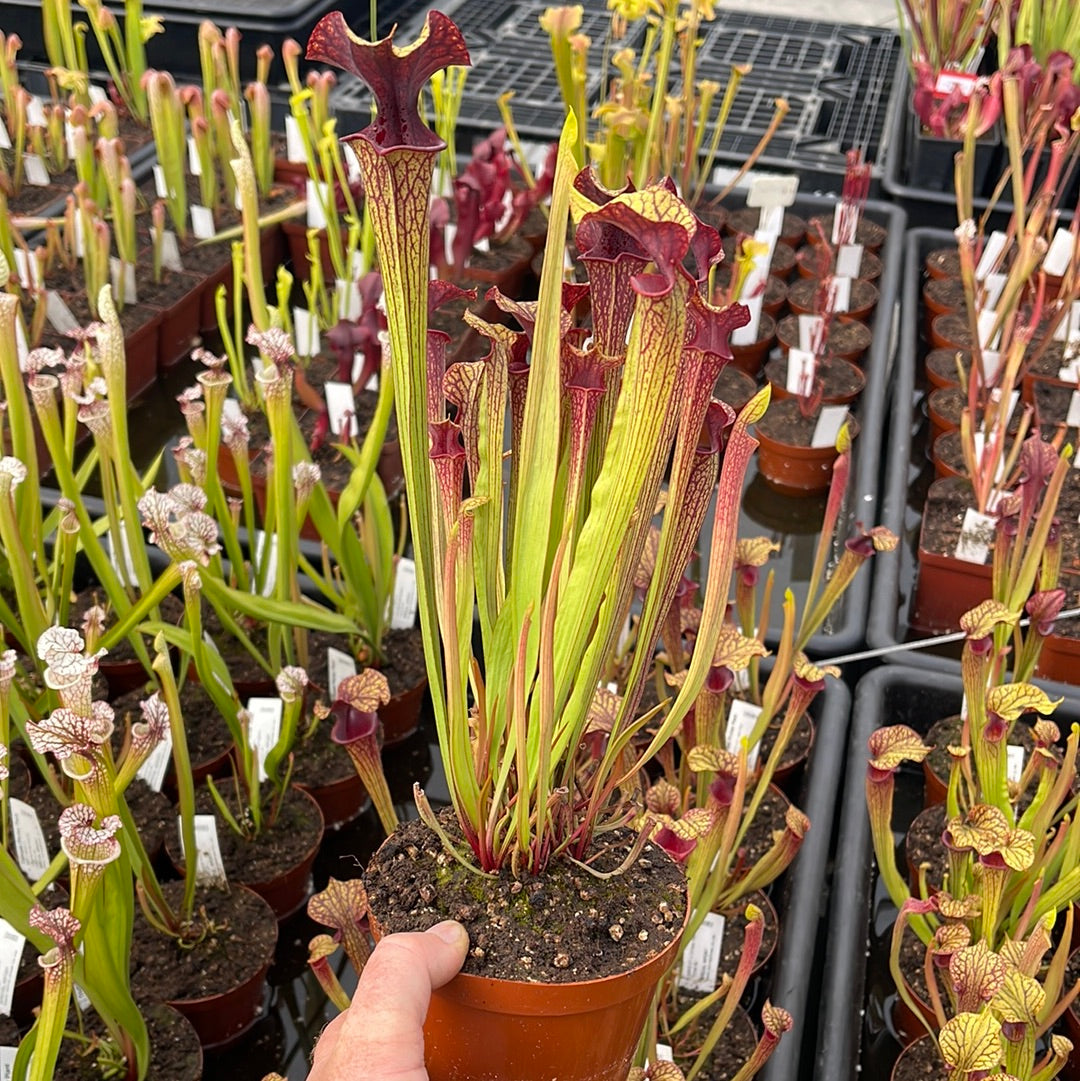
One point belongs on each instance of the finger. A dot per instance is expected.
(327, 1041)
(381, 1034)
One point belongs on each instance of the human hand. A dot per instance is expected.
(381, 1035)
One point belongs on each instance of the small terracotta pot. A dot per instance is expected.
(1060, 659)
(946, 588)
(941, 370)
(401, 715)
(864, 297)
(943, 263)
(787, 334)
(937, 301)
(792, 231)
(795, 470)
(123, 676)
(340, 801)
(482, 1029)
(950, 331)
(933, 812)
(178, 327)
(810, 265)
(734, 387)
(940, 422)
(750, 358)
(141, 353)
(222, 1020)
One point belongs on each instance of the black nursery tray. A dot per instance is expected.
(855, 1035)
(796, 522)
(835, 77)
(908, 474)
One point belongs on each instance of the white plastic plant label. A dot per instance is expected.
(31, 852)
(123, 272)
(209, 867)
(21, 348)
(839, 298)
(849, 260)
(82, 999)
(801, 368)
(976, 536)
(989, 331)
(26, 268)
(7, 1062)
(152, 771)
(995, 286)
(771, 219)
(97, 94)
(35, 112)
(69, 138)
(830, 421)
(403, 607)
(991, 361)
(11, 951)
(701, 958)
(126, 567)
(266, 564)
(1014, 763)
(35, 172)
(1068, 328)
(347, 295)
(991, 254)
(740, 724)
(1072, 418)
(318, 196)
(747, 335)
(339, 666)
(306, 333)
(740, 679)
(963, 708)
(764, 259)
(341, 406)
(664, 1053)
(170, 251)
(194, 164)
(5, 139)
(58, 313)
(202, 222)
(1059, 254)
(948, 81)
(449, 232)
(767, 190)
(294, 143)
(811, 332)
(981, 448)
(161, 185)
(264, 728)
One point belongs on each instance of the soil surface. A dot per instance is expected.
(785, 423)
(747, 219)
(798, 746)
(561, 927)
(943, 263)
(812, 265)
(944, 295)
(734, 1049)
(240, 935)
(924, 845)
(840, 380)
(849, 340)
(921, 1062)
(802, 296)
(868, 233)
(953, 330)
(734, 387)
(942, 362)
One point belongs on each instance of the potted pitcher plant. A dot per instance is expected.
(544, 552)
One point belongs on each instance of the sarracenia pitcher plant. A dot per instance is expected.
(546, 554)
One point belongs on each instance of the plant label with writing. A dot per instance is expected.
(11, 951)
(1059, 255)
(31, 852)
(976, 536)
(209, 867)
(403, 606)
(740, 724)
(152, 771)
(830, 421)
(811, 332)
(801, 369)
(7, 1062)
(1014, 763)
(264, 728)
(341, 407)
(339, 666)
(701, 958)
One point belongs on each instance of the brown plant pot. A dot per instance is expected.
(848, 341)
(1060, 658)
(943, 263)
(734, 387)
(746, 221)
(123, 676)
(179, 327)
(941, 421)
(941, 368)
(750, 358)
(951, 331)
(141, 354)
(938, 297)
(790, 469)
(809, 264)
(340, 801)
(946, 588)
(482, 1029)
(401, 715)
(802, 296)
(222, 1020)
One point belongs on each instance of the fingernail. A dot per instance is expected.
(450, 931)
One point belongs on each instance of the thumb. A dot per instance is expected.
(381, 1035)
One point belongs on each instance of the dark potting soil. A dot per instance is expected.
(950, 402)
(785, 422)
(798, 746)
(734, 387)
(838, 379)
(175, 1054)
(943, 363)
(1052, 408)
(499, 257)
(921, 1062)
(783, 259)
(171, 609)
(759, 837)
(404, 667)
(943, 515)
(239, 939)
(731, 1053)
(735, 922)
(319, 761)
(277, 849)
(943, 263)
(868, 233)
(813, 263)
(849, 340)
(563, 926)
(947, 732)
(747, 219)
(207, 733)
(802, 295)
(1046, 358)
(1072, 974)
(924, 845)
(9, 1031)
(944, 295)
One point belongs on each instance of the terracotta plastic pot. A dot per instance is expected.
(941, 370)
(481, 1029)
(141, 353)
(272, 252)
(946, 588)
(776, 373)
(401, 715)
(179, 327)
(864, 297)
(122, 676)
(943, 263)
(223, 1019)
(794, 470)
(1060, 659)
(951, 331)
(296, 242)
(340, 801)
(750, 358)
(810, 265)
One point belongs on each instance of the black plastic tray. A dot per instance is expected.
(836, 78)
(796, 523)
(907, 475)
(858, 906)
